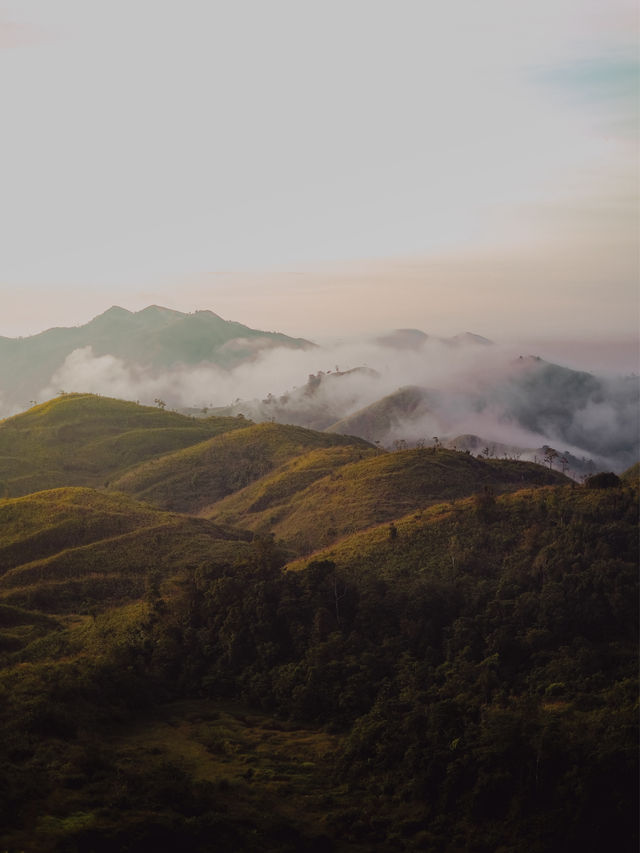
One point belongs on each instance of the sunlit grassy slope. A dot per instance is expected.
(451, 536)
(320, 497)
(83, 439)
(453, 669)
(191, 479)
(73, 550)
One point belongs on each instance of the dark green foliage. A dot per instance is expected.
(469, 669)
(476, 674)
(603, 480)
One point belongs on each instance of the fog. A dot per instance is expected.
(280, 370)
(465, 387)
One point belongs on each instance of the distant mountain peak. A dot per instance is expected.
(142, 345)
(114, 311)
(161, 310)
(403, 339)
(206, 313)
(470, 338)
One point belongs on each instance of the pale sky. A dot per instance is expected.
(322, 168)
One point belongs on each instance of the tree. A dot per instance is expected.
(603, 480)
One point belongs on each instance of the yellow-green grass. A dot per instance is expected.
(362, 493)
(261, 774)
(55, 519)
(73, 549)
(20, 627)
(83, 439)
(192, 479)
(257, 502)
(442, 536)
(217, 741)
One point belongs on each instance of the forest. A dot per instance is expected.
(220, 635)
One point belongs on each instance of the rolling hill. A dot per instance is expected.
(83, 439)
(191, 479)
(454, 667)
(385, 419)
(529, 399)
(73, 550)
(307, 506)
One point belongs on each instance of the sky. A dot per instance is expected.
(324, 168)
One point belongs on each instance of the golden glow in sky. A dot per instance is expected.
(490, 148)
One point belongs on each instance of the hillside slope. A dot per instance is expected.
(73, 550)
(308, 506)
(454, 670)
(528, 398)
(466, 677)
(83, 440)
(483, 659)
(191, 479)
(385, 419)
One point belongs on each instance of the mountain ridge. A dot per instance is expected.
(441, 676)
(155, 337)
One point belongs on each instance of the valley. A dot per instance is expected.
(405, 389)
(319, 427)
(225, 635)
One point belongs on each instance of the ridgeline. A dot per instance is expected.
(353, 651)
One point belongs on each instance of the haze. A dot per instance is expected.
(325, 169)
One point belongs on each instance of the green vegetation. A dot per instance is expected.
(455, 669)
(632, 474)
(483, 662)
(79, 550)
(324, 496)
(192, 479)
(82, 439)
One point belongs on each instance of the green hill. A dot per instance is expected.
(476, 669)
(380, 420)
(544, 399)
(194, 478)
(83, 439)
(482, 658)
(322, 497)
(73, 550)
(454, 670)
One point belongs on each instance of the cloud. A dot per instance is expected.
(448, 390)
(607, 85)
(15, 35)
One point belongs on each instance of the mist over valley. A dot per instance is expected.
(323, 538)
(403, 388)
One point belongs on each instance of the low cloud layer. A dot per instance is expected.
(460, 388)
